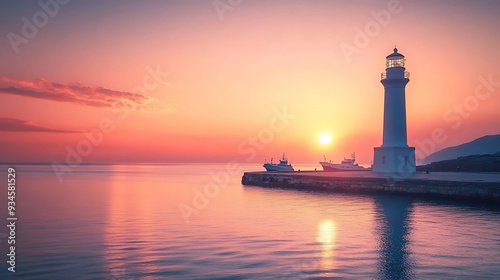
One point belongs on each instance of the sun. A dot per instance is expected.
(325, 138)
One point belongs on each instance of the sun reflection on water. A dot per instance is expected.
(326, 236)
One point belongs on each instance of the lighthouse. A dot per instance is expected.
(394, 156)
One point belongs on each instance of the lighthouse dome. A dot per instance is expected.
(395, 54)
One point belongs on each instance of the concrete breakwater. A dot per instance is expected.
(475, 186)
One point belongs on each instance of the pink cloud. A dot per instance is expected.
(75, 93)
(16, 125)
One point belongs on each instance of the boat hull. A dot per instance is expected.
(332, 167)
(276, 167)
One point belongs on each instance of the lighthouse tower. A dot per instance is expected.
(394, 156)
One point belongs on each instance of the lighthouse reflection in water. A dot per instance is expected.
(393, 230)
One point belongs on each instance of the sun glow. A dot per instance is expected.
(325, 138)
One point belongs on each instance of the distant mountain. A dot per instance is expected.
(485, 145)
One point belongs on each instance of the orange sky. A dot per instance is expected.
(211, 79)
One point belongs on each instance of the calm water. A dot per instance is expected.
(154, 222)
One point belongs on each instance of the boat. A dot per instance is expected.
(283, 165)
(348, 164)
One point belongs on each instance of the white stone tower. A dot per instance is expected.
(394, 156)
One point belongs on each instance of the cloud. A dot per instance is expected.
(77, 93)
(9, 124)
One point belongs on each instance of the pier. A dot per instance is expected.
(453, 185)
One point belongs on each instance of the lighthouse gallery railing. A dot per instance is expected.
(384, 75)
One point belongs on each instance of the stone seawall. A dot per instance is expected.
(459, 189)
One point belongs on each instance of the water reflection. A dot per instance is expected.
(326, 236)
(393, 232)
(61, 223)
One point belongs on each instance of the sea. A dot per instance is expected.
(197, 221)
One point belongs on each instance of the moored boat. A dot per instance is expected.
(348, 164)
(283, 165)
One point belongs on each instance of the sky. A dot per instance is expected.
(239, 80)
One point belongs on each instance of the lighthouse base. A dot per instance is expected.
(394, 160)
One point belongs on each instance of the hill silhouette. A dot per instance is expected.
(486, 145)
